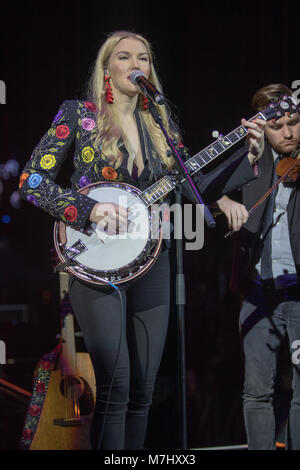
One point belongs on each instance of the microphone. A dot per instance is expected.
(138, 78)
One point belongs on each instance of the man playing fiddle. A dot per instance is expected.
(269, 260)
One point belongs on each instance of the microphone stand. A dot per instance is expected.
(180, 281)
(158, 119)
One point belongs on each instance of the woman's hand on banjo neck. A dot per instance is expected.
(110, 217)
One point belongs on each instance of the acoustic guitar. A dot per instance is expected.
(67, 409)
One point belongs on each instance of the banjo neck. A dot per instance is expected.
(207, 155)
(194, 164)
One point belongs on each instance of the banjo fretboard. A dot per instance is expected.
(207, 155)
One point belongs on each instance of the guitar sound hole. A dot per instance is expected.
(72, 387)
(77, 388)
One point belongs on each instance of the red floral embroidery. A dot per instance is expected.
(46, 365)
(28, 434)
(34, 410)
(90, 106)
(70, 213)
(62, 132)
(41, 387)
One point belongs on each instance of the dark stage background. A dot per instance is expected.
(210, 60)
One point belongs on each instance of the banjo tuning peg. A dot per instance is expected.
(217, 135)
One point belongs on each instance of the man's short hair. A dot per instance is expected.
(269, 94)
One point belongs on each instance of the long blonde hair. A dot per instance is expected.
(108, 120)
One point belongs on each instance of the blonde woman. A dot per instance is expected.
(116, 139)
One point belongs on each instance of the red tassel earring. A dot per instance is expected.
(108, 90)
(145, 102)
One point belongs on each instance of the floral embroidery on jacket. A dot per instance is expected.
(109, 173)
(75, 121)
(70, 213)
(34, 180)
(88, 154)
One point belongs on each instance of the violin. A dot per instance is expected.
(288, 171)
(288, 168)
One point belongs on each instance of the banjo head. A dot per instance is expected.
(99, 258)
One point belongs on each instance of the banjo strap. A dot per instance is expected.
(150, 155)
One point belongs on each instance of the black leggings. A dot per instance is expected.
(143, 331)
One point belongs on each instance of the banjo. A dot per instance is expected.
(99, 258)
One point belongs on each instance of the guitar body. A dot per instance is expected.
(51, 433)
(61, 408)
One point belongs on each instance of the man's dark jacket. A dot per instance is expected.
(248, 244)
